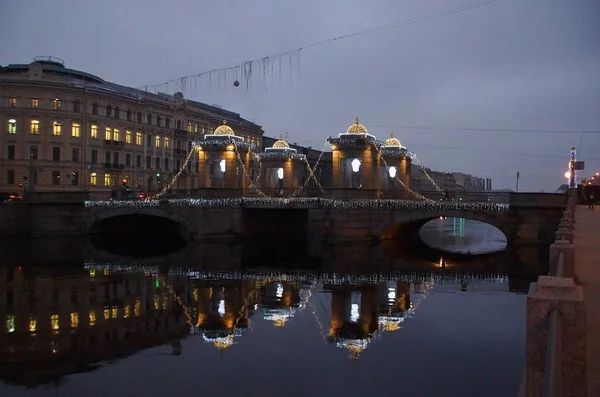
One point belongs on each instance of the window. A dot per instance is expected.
(166, 164)
(76, 130)
(12, 126)
(74, 178)
(94, 156)
(128, 114)
(117, 112)
(56, 153)
(76, 106)
(34, 127)
(139, 117)
(56, 104)
(157, 163)
(116, 135)
(108, 111)
(158, 121)
(127, 136)
(197, 128)
(75, 155)
(138, 160)
(138, 138)
(94, 132)
(108, 134)
(166, 142)
(148, 162)
(107, 157)
(33, 152)
(10, 177)
(157, 141)
(107, 179)
(95, 108)
(178, 124)
(56, 177)
(149, 141)
(190, 127)
(93, 179)
(34, 103)
(149, 118)
(56, 128)
(116, 158)
(167, 122)
(12, 102)
(128, 159)
(10, 152)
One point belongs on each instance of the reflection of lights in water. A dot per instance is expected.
(221, 309)
(279, 292)
(354, 312)
(391, 294)
(355, 346)
(389, 323)
(279, 316)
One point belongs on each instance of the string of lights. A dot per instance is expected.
(273, 65)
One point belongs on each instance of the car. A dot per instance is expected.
(6, 197)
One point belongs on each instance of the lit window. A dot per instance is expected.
(127, 312)
(10, 324)
(35, 103)
(115, 312)
(93, 179)
(156, 302)
(107, 133)
(197, 128)
(115, 134)
(12, 102)
(56, 104)
(92, 317)
(127, 136)
(54, 324)
(106, 313)
(138, 138)
(157, 141)
(136, 307)
(34, 127)
(190, 127)
(74, 320)
(56, 128)
(107, 179)
(76, 130)
(166, 142)
(12, 126)
(32, 324)
(94, 132)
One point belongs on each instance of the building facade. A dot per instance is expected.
(67, 130)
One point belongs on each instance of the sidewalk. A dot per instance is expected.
(587, 267)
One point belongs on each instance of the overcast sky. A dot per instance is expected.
(512, 64)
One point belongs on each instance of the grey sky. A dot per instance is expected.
(513, 64)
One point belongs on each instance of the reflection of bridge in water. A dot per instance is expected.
(57, 324)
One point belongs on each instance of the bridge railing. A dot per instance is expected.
(556, 319)
(469, 196)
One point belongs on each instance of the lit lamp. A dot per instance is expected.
(280, 173)
(222, 165)
(355, 165)
(392, 172)
(568, 174)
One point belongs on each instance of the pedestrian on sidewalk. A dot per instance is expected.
(591, 198)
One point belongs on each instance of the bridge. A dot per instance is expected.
(528, 220)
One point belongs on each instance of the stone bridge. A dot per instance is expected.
(529, 220)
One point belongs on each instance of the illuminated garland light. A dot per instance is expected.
(217, 143)
(303, 202)
(281, 155)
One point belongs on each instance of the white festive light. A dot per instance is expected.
(280, 173)
(355, 165)
(392, 172)
(303, 202)
(222, 165)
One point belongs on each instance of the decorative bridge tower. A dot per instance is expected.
(223, 160)
(355, 163)
(395, 169)
(281, 169)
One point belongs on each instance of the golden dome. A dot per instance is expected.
(357, 128)
(392, 141)
(281, 143)
(223, 129)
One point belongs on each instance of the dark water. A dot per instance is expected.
(359, 321)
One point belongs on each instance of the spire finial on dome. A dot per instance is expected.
(392, 134)
(357, 120)
(224, 122)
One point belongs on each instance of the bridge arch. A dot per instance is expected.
(98, 215)
(388, 229)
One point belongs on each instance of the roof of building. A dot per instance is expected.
(55, 66)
